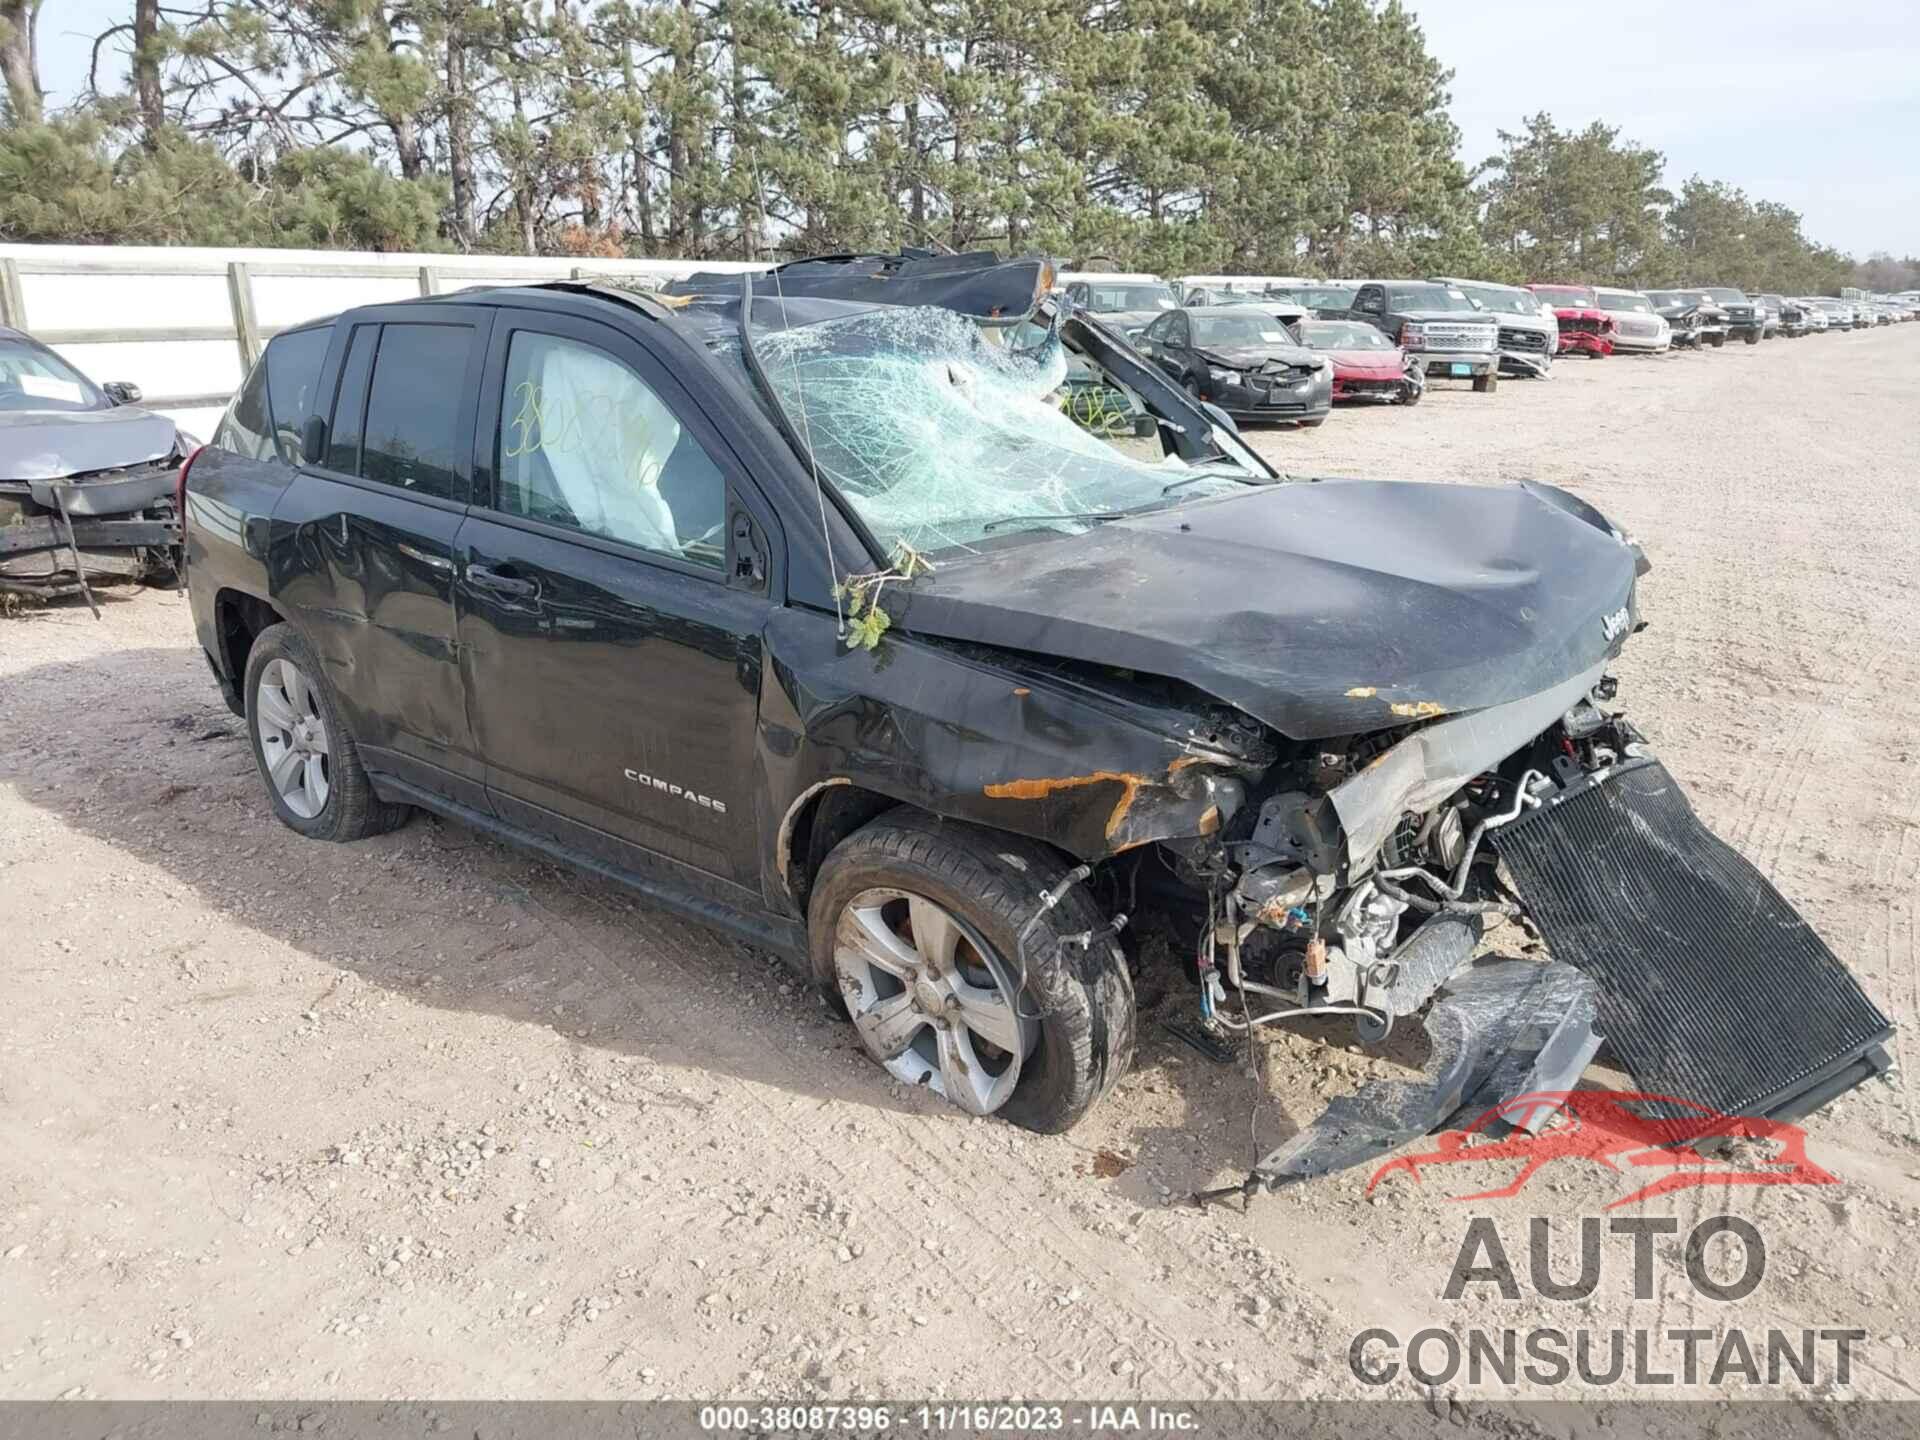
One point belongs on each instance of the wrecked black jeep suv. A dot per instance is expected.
(795, 601)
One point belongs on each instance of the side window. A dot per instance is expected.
(412, 436)
(1180, 332)
(292, 363)
(1077, 294)
(1373, 301)
(585, 442)
(1158, 329)
(247, 429)
(350, 402)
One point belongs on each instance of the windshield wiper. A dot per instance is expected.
(1200, 475)
(1031, 519)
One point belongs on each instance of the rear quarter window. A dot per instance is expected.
(246, 429)
(292, 364)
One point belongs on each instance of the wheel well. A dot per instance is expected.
(822, 822)
(238, 619)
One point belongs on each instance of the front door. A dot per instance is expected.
(362, 550)
(610, 646)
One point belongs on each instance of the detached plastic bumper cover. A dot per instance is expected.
(1711, 986)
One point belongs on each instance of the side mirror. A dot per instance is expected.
(313, 441)
(122, 392)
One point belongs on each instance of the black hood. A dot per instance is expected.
(53, 444)
(1252, 357)
(1321, 608)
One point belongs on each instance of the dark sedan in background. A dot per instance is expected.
(1243, 360)
(1128, 305)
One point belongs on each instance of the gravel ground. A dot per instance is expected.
(426, 1117)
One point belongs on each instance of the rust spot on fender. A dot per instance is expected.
(1363, 692)
(1041, 789)
(1418, 709)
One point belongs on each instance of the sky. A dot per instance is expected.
(1815, 105)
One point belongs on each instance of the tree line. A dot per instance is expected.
(1250, 136)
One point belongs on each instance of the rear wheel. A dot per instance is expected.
(312, 770)
(1717, 341)
(935, 937)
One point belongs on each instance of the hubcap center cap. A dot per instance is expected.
(928, 997)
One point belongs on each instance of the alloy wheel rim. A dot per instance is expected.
(931, 1000)
(293, 738)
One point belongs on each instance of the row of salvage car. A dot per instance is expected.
(935, 635)
(1284, 349)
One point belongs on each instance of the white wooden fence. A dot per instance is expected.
(185, 324)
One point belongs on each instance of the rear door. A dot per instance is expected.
(614, 584)
(363, 541)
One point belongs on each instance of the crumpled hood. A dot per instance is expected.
(50, 445)
(1322, 608)
(1252, 357)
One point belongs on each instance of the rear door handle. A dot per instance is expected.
(483, 578)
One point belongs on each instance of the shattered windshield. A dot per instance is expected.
(939, 436)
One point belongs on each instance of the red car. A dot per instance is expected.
(1584, 326)
(1366, 364)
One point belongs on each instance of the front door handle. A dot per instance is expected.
(482, 578)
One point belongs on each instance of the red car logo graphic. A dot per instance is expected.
(1605, 1127)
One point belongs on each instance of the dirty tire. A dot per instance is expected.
(1313, 424)
(1717, 341)
(993, 882)
(1192, 388)
(1485, 384)
(1753, 337)
(1410, 394)
(352, 811)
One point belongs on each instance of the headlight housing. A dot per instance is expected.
(1225, 377)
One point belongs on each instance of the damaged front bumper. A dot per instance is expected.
(1666, 946)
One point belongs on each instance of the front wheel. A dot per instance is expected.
(1410, 394)
(936, 938)
(1486, 384)
(1753, 337)
(1717, 341)
(1314, 423)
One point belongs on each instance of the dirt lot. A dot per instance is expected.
(423, 1116)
